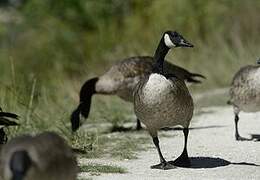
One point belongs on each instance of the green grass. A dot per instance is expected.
(44, 110)
(126, 147)
(74, 40)
(110, 109)
(119, 145)
(99, 168)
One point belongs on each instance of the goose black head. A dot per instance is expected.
(173, 39)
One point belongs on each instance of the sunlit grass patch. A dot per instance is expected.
(116, 145)
(127, 146)
(84, 178)
(45, 110)
(99, 168)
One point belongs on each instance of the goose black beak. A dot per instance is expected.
(185, 43)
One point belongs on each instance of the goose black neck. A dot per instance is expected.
(159, 56)
(88, 89)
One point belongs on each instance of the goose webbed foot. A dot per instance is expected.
(240, 138)
(164, 166)
(183, 160)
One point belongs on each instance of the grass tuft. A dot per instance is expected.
(99, 168)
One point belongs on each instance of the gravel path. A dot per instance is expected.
(213, 150)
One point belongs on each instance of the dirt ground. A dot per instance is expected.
(212, 148)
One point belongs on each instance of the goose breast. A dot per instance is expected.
(162, 102)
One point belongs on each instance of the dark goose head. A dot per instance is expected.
(170, 39)
(174, 39)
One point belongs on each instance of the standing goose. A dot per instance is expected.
(245, 93)
(5, 122)
(163, 100)
(45, 156)
(120, 80)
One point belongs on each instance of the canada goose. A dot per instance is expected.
(120, 80)
(163, 100)
(245, 93)
(5, 122)
(42, 157)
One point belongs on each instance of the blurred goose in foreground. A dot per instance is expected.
(163, 100)
(245, 93)
(42, 157)
(5, 122)
(120, 80)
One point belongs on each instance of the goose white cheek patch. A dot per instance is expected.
(168, 42)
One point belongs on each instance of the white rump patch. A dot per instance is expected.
(168, 42)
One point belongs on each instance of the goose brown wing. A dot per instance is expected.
(135, 66)
(178, 84)
(181, 73)
(142, 65)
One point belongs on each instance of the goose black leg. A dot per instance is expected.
(183, 160)
(238, 137)
(138, 125)
(164, 164)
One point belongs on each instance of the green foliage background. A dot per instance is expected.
(53, 46)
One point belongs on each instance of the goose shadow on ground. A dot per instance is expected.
(129, 129)
(212, 162)
(121, 129)
(78, 151)
(191, 128)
